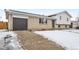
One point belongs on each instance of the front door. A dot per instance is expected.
(53, 23)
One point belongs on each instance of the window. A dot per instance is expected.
(46, 21)
(67, 19)
(66, 26)
(59, 26)
(60, 17)
(42, 21)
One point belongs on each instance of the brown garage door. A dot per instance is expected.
(19, 24)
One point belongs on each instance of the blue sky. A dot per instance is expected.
(73, 12)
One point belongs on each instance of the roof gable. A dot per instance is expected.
(60, 13)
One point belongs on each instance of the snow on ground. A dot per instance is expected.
(8, 41)
(74, 31)
(69, 39)
(3, 30)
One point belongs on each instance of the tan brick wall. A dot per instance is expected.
(33, 23)
(68, 26)
(10, 22)
(62, 26)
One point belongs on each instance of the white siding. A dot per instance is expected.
(63, 20)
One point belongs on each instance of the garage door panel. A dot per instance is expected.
(19, 24)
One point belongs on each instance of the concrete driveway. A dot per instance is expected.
(32, 41)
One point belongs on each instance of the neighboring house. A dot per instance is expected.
(18, 20)
(62, 19)
(75, 24)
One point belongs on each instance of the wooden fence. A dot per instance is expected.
(3, 25)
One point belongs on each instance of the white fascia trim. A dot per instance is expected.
(20, 16)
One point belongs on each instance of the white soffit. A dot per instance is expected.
(20, 16)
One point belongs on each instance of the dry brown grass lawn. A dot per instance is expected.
(32, 41)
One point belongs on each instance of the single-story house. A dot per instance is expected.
(62, 19)
(18, 20)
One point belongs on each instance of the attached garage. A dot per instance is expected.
(18, 20)
(20, 23)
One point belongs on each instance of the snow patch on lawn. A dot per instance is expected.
(3, 30)
(66, 39)
(8, 41)
(74, 31)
